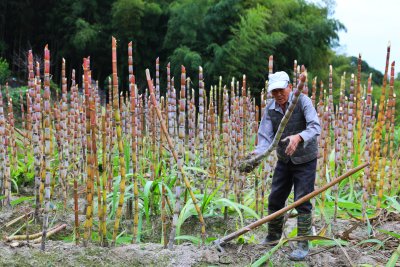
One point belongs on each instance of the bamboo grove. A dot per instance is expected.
(125, 160)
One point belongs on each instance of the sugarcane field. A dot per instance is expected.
(195, 133)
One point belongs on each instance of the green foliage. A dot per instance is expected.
(4, 71)
(227, 37)
(251, 42)
(126, 15)
(85, 34)
(186, 57)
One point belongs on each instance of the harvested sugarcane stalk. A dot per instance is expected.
(50, 233)
(224, 240)
(251, 161)
(38, 236)
(12, 222)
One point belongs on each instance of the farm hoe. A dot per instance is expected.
(222, 241)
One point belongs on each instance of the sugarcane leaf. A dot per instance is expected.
(208, 198)
(187, 211)
(396, 235)
(268, 255)
(146, 199)
(394, 203)
(114, 196)
(20, 200)
(393, 259)
(223, 202)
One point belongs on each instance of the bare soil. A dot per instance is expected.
(151, 253)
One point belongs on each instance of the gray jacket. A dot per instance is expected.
(304, 121)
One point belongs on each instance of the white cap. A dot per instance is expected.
(278, 80)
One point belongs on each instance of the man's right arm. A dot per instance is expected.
(265, 134)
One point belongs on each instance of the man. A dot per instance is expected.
(297, 156)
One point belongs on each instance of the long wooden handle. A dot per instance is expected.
(268, 218)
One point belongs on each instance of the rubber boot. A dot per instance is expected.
(303, 229)
(274, 231)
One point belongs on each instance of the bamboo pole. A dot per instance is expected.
(225, 239)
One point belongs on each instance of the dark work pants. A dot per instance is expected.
(302, 176)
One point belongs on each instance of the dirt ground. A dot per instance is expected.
(61, 253)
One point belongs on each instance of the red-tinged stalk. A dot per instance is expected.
(226, 126)
(36, 137)
(74, 125)
(119, 140)
(89, 157)
(153, 133)
(384, 155)
(213, 163)
(25, 139)
(376, 149)
(201, 128)
(93, 139)
(64, 136)
(394, 178)
(314, 90)
(192, 128)
(368, 142)
(7, 171)
(47, 149)
(3, 156)
(11, 131)
(111, 134)
(103, 195)
(181, 157)
(57, 134)
(238, 138)
(244, 117)
(134, 148)
(358, 107)
(392, 173)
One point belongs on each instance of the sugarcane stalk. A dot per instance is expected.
(201, 128)
(171, 147)
(163, 216)
(225, 239)
(134, 147)
(103, 196)
(227, 149)
(376, 148)
(3, 153)
(181, 156)
(89, 158)
(37, 236)
(47, 149)
(250, 162)
(119, 140)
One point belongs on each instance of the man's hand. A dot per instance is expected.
(294, 140)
